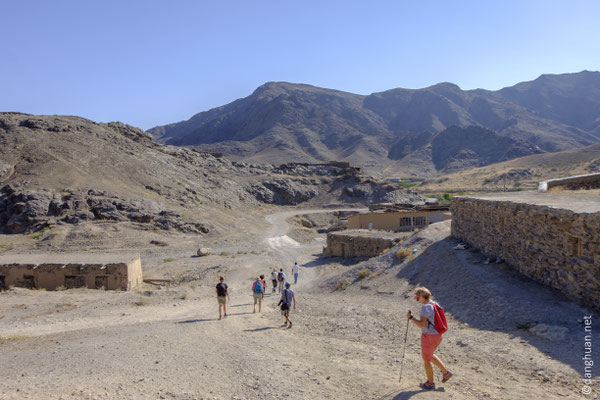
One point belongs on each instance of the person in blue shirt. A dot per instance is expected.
(287, 299)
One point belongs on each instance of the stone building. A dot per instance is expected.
(50, 271)
(399, 220)
(553, 238)
(359, 243)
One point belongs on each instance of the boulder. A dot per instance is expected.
(550, 332)
(203, 251)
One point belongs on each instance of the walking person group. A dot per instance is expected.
(259, 286)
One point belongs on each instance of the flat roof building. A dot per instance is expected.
(52, 271)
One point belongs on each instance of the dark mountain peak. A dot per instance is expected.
(282, 120)
(276, 88)
(567, 82)
(444, 86)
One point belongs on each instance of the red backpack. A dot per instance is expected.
(440, 319)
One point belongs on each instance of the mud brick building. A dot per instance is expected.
(52, 271)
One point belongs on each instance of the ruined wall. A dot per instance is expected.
(556, 247)
(134, 273)
(347, 246)
(111, 276)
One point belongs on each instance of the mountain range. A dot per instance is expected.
(404, 132)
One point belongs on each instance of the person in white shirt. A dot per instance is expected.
(295, 270)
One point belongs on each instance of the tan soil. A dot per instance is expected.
(168, 342)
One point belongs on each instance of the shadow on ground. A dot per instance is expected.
(495, 297)
(320, 261)
(266, 328)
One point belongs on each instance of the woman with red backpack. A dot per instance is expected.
(432, 322)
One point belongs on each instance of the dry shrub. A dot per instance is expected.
(342, 284)
(403, 253)
(363, 273)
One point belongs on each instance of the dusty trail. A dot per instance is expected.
(344, 345)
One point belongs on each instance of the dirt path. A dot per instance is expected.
(344, 344)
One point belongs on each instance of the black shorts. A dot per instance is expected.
(285, 309)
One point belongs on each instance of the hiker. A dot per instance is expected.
(287, 298)
(262, 279)
(257, 293)
(430, 337)
(274, 280)
(281, 279)
(295, 270)
(222, 295)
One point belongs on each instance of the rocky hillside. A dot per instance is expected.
(387, 132)
(69, 170)
(518, 174)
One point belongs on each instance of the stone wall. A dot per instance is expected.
(579, 182)
(357, 244)
(557, 247)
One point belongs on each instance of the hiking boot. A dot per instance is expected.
(446, 377)
(427, 385)
(219, 317)
(290, 325)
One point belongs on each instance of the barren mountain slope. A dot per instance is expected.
(282, 121)
(57, 169)
(520, 173)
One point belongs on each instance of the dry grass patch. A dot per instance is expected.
(342, 284)
(403, 253)
(12, 338)
(363, 273)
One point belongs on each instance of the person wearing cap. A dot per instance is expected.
(287, 299)
(430, 337)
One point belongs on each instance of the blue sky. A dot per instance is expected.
(150, 63)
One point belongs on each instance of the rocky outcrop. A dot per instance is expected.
(26, 210)
(457, 149)
(282, 191)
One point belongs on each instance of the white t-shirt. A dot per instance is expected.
(427, 311)
(295, 268)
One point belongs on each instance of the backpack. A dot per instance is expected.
(221, 289)
(258, 287)
(280, 276)
(440, 319)
(285, 294)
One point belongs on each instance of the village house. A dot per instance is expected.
(399, 218)
(69, 271)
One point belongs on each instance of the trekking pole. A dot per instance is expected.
(403, 351)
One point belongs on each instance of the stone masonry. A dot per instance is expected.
(552, 238)
(359, 243)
